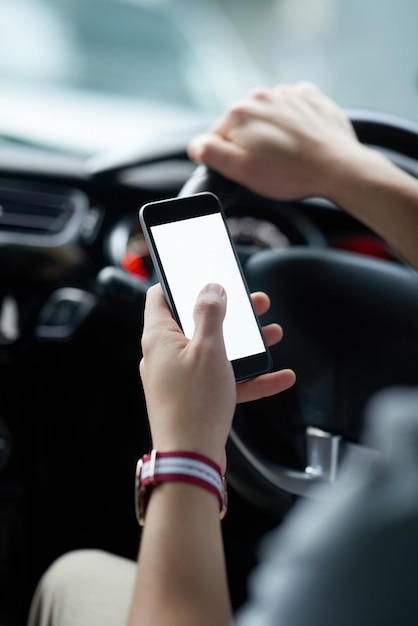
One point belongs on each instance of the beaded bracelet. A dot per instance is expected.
(156, 468)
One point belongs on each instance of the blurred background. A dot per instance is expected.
(86, 74)
(360, 52)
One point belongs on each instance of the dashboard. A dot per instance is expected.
(60, 225)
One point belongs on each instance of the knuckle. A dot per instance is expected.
(239, 111)
(261, 93)
(148, 340)
(207, 307)
(306, 87)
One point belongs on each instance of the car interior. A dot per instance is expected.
(74, 273)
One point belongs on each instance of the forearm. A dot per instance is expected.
(181, 574)
(382, 196)
(181, 577)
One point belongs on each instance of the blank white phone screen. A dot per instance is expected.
(197, 251)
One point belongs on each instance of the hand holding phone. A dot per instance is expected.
(190, 246)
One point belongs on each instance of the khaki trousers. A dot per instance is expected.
(84, 588)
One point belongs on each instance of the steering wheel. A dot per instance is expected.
(350, 329)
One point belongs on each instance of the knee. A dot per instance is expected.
(71, 583)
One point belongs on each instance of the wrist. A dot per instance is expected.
(174, 444)
(190, 440)
(157, 468)
(347, 170)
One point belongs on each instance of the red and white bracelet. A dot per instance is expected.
(157, 468)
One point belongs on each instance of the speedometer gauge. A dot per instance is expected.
(256, 232)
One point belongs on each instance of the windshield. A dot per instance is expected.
(93, 74)
(362, 53)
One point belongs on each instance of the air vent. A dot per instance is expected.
(40, 215)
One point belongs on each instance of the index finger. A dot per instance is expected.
(157, 313)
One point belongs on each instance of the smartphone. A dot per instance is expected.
(190, 246)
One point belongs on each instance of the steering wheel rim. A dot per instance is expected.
(317, 424)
